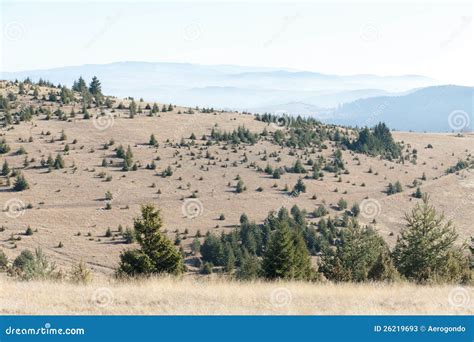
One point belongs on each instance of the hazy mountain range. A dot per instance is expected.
(407, 102)
(436, 109)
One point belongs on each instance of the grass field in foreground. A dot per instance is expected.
(168, 296)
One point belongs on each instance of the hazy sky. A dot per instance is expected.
(408, 37)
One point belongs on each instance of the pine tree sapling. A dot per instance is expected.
(156, 254)
(426, 250)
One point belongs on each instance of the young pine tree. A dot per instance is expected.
(250, 266)
(286, 256)
(20, 183)
(153, 141)
(5, 169)
(356, 257)
(426, 251)
(156, 254)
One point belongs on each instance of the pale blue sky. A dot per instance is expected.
(352, 37)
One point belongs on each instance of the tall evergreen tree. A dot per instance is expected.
(278, 260)
(286, 256)
(156, 254)
(80, 85)
(95, 88)
(426, 251)
(302, 259)
(356, 255)
(250, 266)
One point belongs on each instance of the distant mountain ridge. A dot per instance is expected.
(334, 98)
(428, 109)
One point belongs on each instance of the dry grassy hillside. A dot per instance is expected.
(68, 205)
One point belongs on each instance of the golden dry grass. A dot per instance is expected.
(193, 296)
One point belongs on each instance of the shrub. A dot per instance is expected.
(206, 268)
(153, 141)
(108, 196)
(80, 273)
(168, 172)
(5, 168)
(3, 260)
(195, 246)
(240, 187)
(460, 165)
(4, 148)
(135, 262)
(320, 211)
(58, 162)
(276, 173)
(21, 260)
(418, 193)
(355, 210)
(29, 266)
(128, 236)
(108, 233)
(342, 204)
(297, 167)
(250, 267)
(299, 188)
(394, 188)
